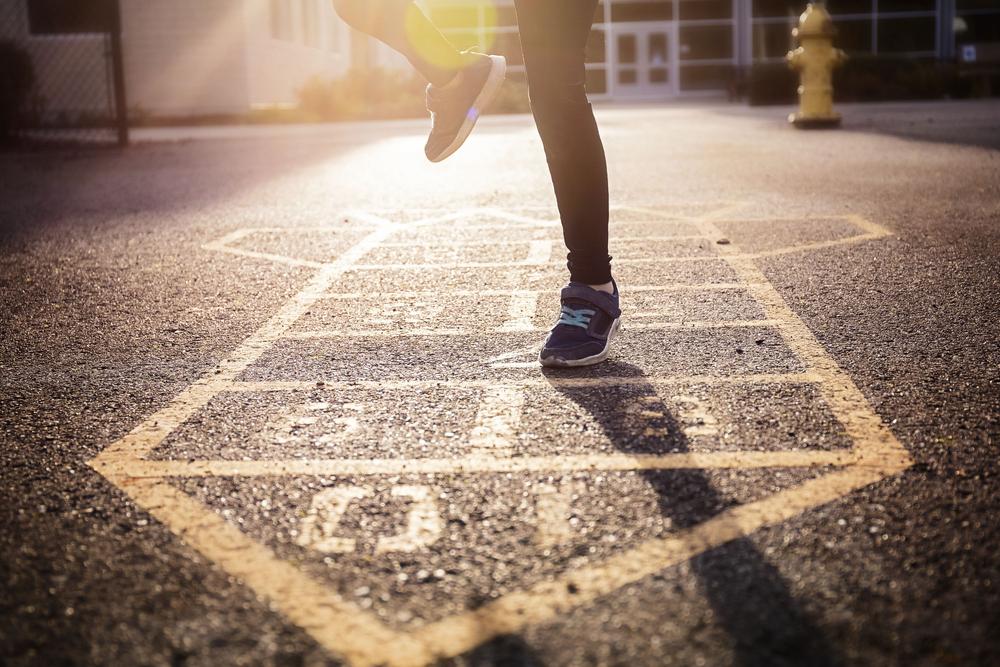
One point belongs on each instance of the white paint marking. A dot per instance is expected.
(423, 523)
(491, 464)
(553, 510)
(520, 321)
(448, 243)
(540, 252)
(698, 420)
(529, 381)
(318, 530)
(521, 312)
(497, 422)
(359, 637)
(223, 245)
(692, 287)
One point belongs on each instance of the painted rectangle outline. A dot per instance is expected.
(360, 638)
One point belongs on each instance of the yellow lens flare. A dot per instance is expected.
(470, 25)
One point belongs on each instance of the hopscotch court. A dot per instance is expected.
(365, 392)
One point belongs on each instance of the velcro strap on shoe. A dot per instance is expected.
(601, 300)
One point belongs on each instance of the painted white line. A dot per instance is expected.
(873, 439)
(696, 415)
(481, 463)
(223, 245)
(517, 218)
(319, 529)
(378, 333)
(872, 231)
(497, 422)
(379, 296)
(448, 243)
(521, 323)
(540, 252)
(357, 636)
(335, 622)
(521, 312)
(145, 437)
(423, 523)
(527, 381)
(553, 509)
(504, 265)
(582, 585)
(818, 245)
(452, 224)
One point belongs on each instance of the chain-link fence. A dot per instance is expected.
(61, 77)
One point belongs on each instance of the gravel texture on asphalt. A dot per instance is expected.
(115, 301)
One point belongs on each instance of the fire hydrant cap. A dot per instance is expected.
(815, 22)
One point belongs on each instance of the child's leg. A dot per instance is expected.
(553, 38)
(405, 28)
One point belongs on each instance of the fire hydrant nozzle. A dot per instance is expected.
(815, 59)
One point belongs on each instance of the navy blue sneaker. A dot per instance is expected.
(588, 320)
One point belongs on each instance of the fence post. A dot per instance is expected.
(118, 73)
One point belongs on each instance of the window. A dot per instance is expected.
(701, 10)
(650, 10)
(67, 17)
(854, 35)
(907, 35)
(706, 42)
(310, 23)
(777, 8)
(977, 21)
(836, 7)
(772, 40)
(903, 27)
(281, 19)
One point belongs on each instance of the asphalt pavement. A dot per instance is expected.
(269, 396)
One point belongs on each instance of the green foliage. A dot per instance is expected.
(16, 81)
(362, 94)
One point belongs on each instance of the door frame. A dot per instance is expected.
(641, 31)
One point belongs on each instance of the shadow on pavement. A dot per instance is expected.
(503, 651)
(748, 596)
(155, 184)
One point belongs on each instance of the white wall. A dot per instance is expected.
(185, 57)
(315, 43)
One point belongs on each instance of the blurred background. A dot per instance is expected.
(88, 70)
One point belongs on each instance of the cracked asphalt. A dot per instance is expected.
(393, 446)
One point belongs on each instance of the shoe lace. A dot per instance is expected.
(575, 317)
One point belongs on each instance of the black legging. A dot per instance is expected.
(553, 40)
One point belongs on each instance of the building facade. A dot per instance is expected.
(186, 58)
(182, 58)
(665, 48)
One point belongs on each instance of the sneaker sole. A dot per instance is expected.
(555, 362)
(498, 73)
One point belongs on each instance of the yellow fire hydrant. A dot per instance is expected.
(815, 59)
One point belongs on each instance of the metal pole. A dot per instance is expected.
(118, 72)
(946, 30)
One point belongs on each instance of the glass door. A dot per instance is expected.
(645, 65)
